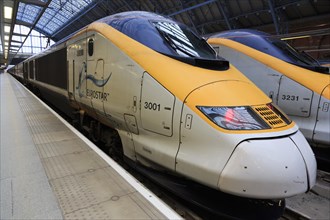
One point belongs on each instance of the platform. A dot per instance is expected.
(49, 171)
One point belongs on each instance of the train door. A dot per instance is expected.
(90, 74)
(25, 72)
(35, 69)
(71, 54)
(157, 112)
(296, 101)
(31, 69)
(157, 105)
(293, 98)
(79, 70)
(28, 69)
(95, 72)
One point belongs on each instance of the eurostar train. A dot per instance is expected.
(292, 79)
(175, 106)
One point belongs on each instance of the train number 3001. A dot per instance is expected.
(290, 97)
(152, 106)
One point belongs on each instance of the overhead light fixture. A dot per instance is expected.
(6, 43)
(297, 37)
(6, 37)
(7, 29)
(8, 12)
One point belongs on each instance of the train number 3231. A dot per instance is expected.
(290, 97)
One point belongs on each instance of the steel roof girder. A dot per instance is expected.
(189, 17)
(274, 15)
(27, 24)
(68, 23)
(192, 7)
(224, 14)
(34, 2)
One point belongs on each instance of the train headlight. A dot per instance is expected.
(234, 118)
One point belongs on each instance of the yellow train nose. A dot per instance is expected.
(227, 93)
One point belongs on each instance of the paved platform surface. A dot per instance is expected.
(50, 172)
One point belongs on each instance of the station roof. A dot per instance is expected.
(290, 18)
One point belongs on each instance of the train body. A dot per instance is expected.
(176, 106)
(293, 80)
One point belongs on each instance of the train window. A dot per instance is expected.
(90, 47)
(168, 37)
(183, 40)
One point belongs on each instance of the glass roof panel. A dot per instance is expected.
(16, 38)
(17, 29)
(24, 30)
(59, 12)
(16, 44)
(41, 24)
(50, 12)
(33, 32)
(47, 30)
(48, 15)
(60, 18)
(52, 25)
(55, 16)
(27, 13)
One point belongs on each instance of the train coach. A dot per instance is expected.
(296, 82)
(156, 92)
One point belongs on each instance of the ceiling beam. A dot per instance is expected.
(27, 24)
(189, 16)
(20, 35)
(15, 41)
(34, 2)
(191, 8)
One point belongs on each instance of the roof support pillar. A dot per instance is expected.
(189, 17)
(272, 11)
(224, 14)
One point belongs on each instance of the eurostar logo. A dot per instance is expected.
(91, 77)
